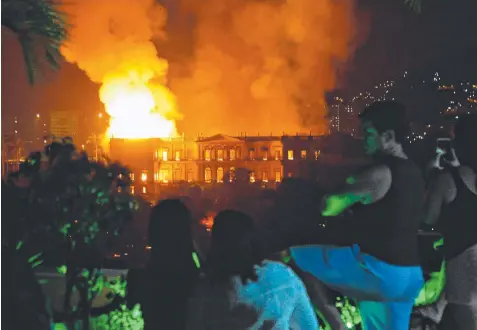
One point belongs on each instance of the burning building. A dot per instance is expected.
(156, 161)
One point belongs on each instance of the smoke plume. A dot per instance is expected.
(112, 42)
(255, 65)
(263, 65)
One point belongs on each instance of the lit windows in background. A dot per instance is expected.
(252, 177)
(278, 176)
(144, 176)
(131, 176)
(164, 176)
(290, 154)
(156, 176)
(303, 154)
(277, 154)
(207, 154)
(144, 190)
(132, 190)
(178, 155)
(232, 174)
(265, 176)
(220, 174)
(220, 154)
(165, 154)
(232, 154)
(265, 155)
(251, 154)
(317, 154)
(190, 176)
(208, 175)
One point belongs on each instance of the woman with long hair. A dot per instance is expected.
(165, 286)
(452, 202)
(243, 292)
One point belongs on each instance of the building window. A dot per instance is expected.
(232, 174)
(278, 176)
(207, 175)
(265, 176)
(277, 154)
(131, 176)
(265, 155)
(317, 154)
(144, 176)
(178, 155)
(220, 154)
(220, 174)
(164, 176)
(132, 190)
(251, 154)
(164, 154)
(232, 154)
(156, 154)
(252, 177)
(303, 154)
(156, 176)
(207, 154)
(144, 190)
(177, 175)
(290, 154)
(190, 176)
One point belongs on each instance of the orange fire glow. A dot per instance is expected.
(112, 42)
(134, 111)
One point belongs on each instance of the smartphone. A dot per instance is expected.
(444, 146)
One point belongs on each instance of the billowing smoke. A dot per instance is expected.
(263, 65)
(112, 42)
(256, 65)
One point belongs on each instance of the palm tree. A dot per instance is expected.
(39, 26)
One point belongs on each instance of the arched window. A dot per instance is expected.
(220, 174)
(207, 175)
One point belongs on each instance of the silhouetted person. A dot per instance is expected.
(379, 265)
(164, 288)
(243, 292)
(452, 202)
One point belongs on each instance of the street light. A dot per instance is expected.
(37, 115)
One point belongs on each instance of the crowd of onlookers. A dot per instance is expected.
(360, 242)
(276, 259)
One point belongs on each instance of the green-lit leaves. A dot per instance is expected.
(349, 313)
(62, 269)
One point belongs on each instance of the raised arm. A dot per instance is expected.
(440, 193)
(367, 187)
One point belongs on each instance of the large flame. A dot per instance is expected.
(134, 112)
(111, 41)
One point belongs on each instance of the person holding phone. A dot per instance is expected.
(379, 266)
(452, 203)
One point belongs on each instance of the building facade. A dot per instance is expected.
(221, 158)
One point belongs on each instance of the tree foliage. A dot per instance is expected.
(40, 27)
(66, 210)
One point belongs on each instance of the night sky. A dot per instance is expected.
(394, 39)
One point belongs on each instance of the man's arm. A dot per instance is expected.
(367, 187)
(439, 191)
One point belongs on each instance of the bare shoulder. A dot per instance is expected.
(445, 184)
(469, 177)
(379, 172)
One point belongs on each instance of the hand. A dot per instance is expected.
(334, 205)
(438, 243)
(454, 162)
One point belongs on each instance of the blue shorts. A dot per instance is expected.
(385, 293)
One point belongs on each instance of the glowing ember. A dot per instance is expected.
(134, 111)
